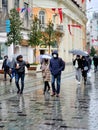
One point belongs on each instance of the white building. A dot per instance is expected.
(5, 7)
(73, 14)
(94, 31)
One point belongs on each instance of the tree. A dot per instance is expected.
(14, 36)
(92, 51)
(35, 35)
(51, 36)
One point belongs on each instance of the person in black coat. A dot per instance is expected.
(85, 68)
(20, 72)
(95, 59)
(6, 67)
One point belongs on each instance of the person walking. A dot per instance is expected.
(6, 66)
(78, 65)
(20, 72)
(57, 65)
(46, 74)
(95, 60)
(85, 68)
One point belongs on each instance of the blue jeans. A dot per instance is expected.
(58, 82)
(17, 77)
(13, 72)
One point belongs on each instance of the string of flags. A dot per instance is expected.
(73, 25)
(94, 40)
(53, 9)
(84, 1)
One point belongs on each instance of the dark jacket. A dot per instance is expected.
(79, 63)
(95, 59)
(85, 64)
(56, 65)
(6, 65)
(22, 65)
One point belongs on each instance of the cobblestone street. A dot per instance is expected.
(75, 109)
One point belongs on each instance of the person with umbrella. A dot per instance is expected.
(78, 66)
(85, 68)
(45, 74)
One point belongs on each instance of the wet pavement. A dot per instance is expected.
(75, 109)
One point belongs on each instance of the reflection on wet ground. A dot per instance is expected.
(75, 109)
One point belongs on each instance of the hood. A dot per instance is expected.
(55, 52)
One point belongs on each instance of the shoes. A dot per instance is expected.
(48, 89)
(21, 92)
(18, 91)
(57, 95)
(11, 80)
(53, 94)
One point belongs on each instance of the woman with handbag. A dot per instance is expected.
(46, 74)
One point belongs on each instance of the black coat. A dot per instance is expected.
(79, 62)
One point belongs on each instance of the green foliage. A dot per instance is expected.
(92, 51)
(14, 36)
(51, 36)
(35, 34)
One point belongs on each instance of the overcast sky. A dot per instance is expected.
(94, 5)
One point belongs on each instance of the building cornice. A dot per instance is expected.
(70, 5)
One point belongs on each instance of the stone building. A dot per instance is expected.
(73, 25)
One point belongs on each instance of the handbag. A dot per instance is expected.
(86, 68)
(76, 64)
(89, 74)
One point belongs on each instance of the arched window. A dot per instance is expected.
(42, 17)
(16, 3)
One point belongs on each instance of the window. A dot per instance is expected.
(3, 50)
(42, 17)
(16, 3)
(26, 16)
(4, 8)
(4, 3)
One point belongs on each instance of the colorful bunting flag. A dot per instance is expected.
(73, 25)
(94, 40)
(23, 9)
(84, 0)
(18, 9)
(60, 14)
(54, 9)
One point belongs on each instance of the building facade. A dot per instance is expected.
(73, 25)
(73, 14)
(94, 31)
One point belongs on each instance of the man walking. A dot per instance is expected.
(56, 66)
(20, 73)
(7, 68)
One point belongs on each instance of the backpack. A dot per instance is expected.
(62, 63)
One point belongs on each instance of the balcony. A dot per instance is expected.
(60, 28)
